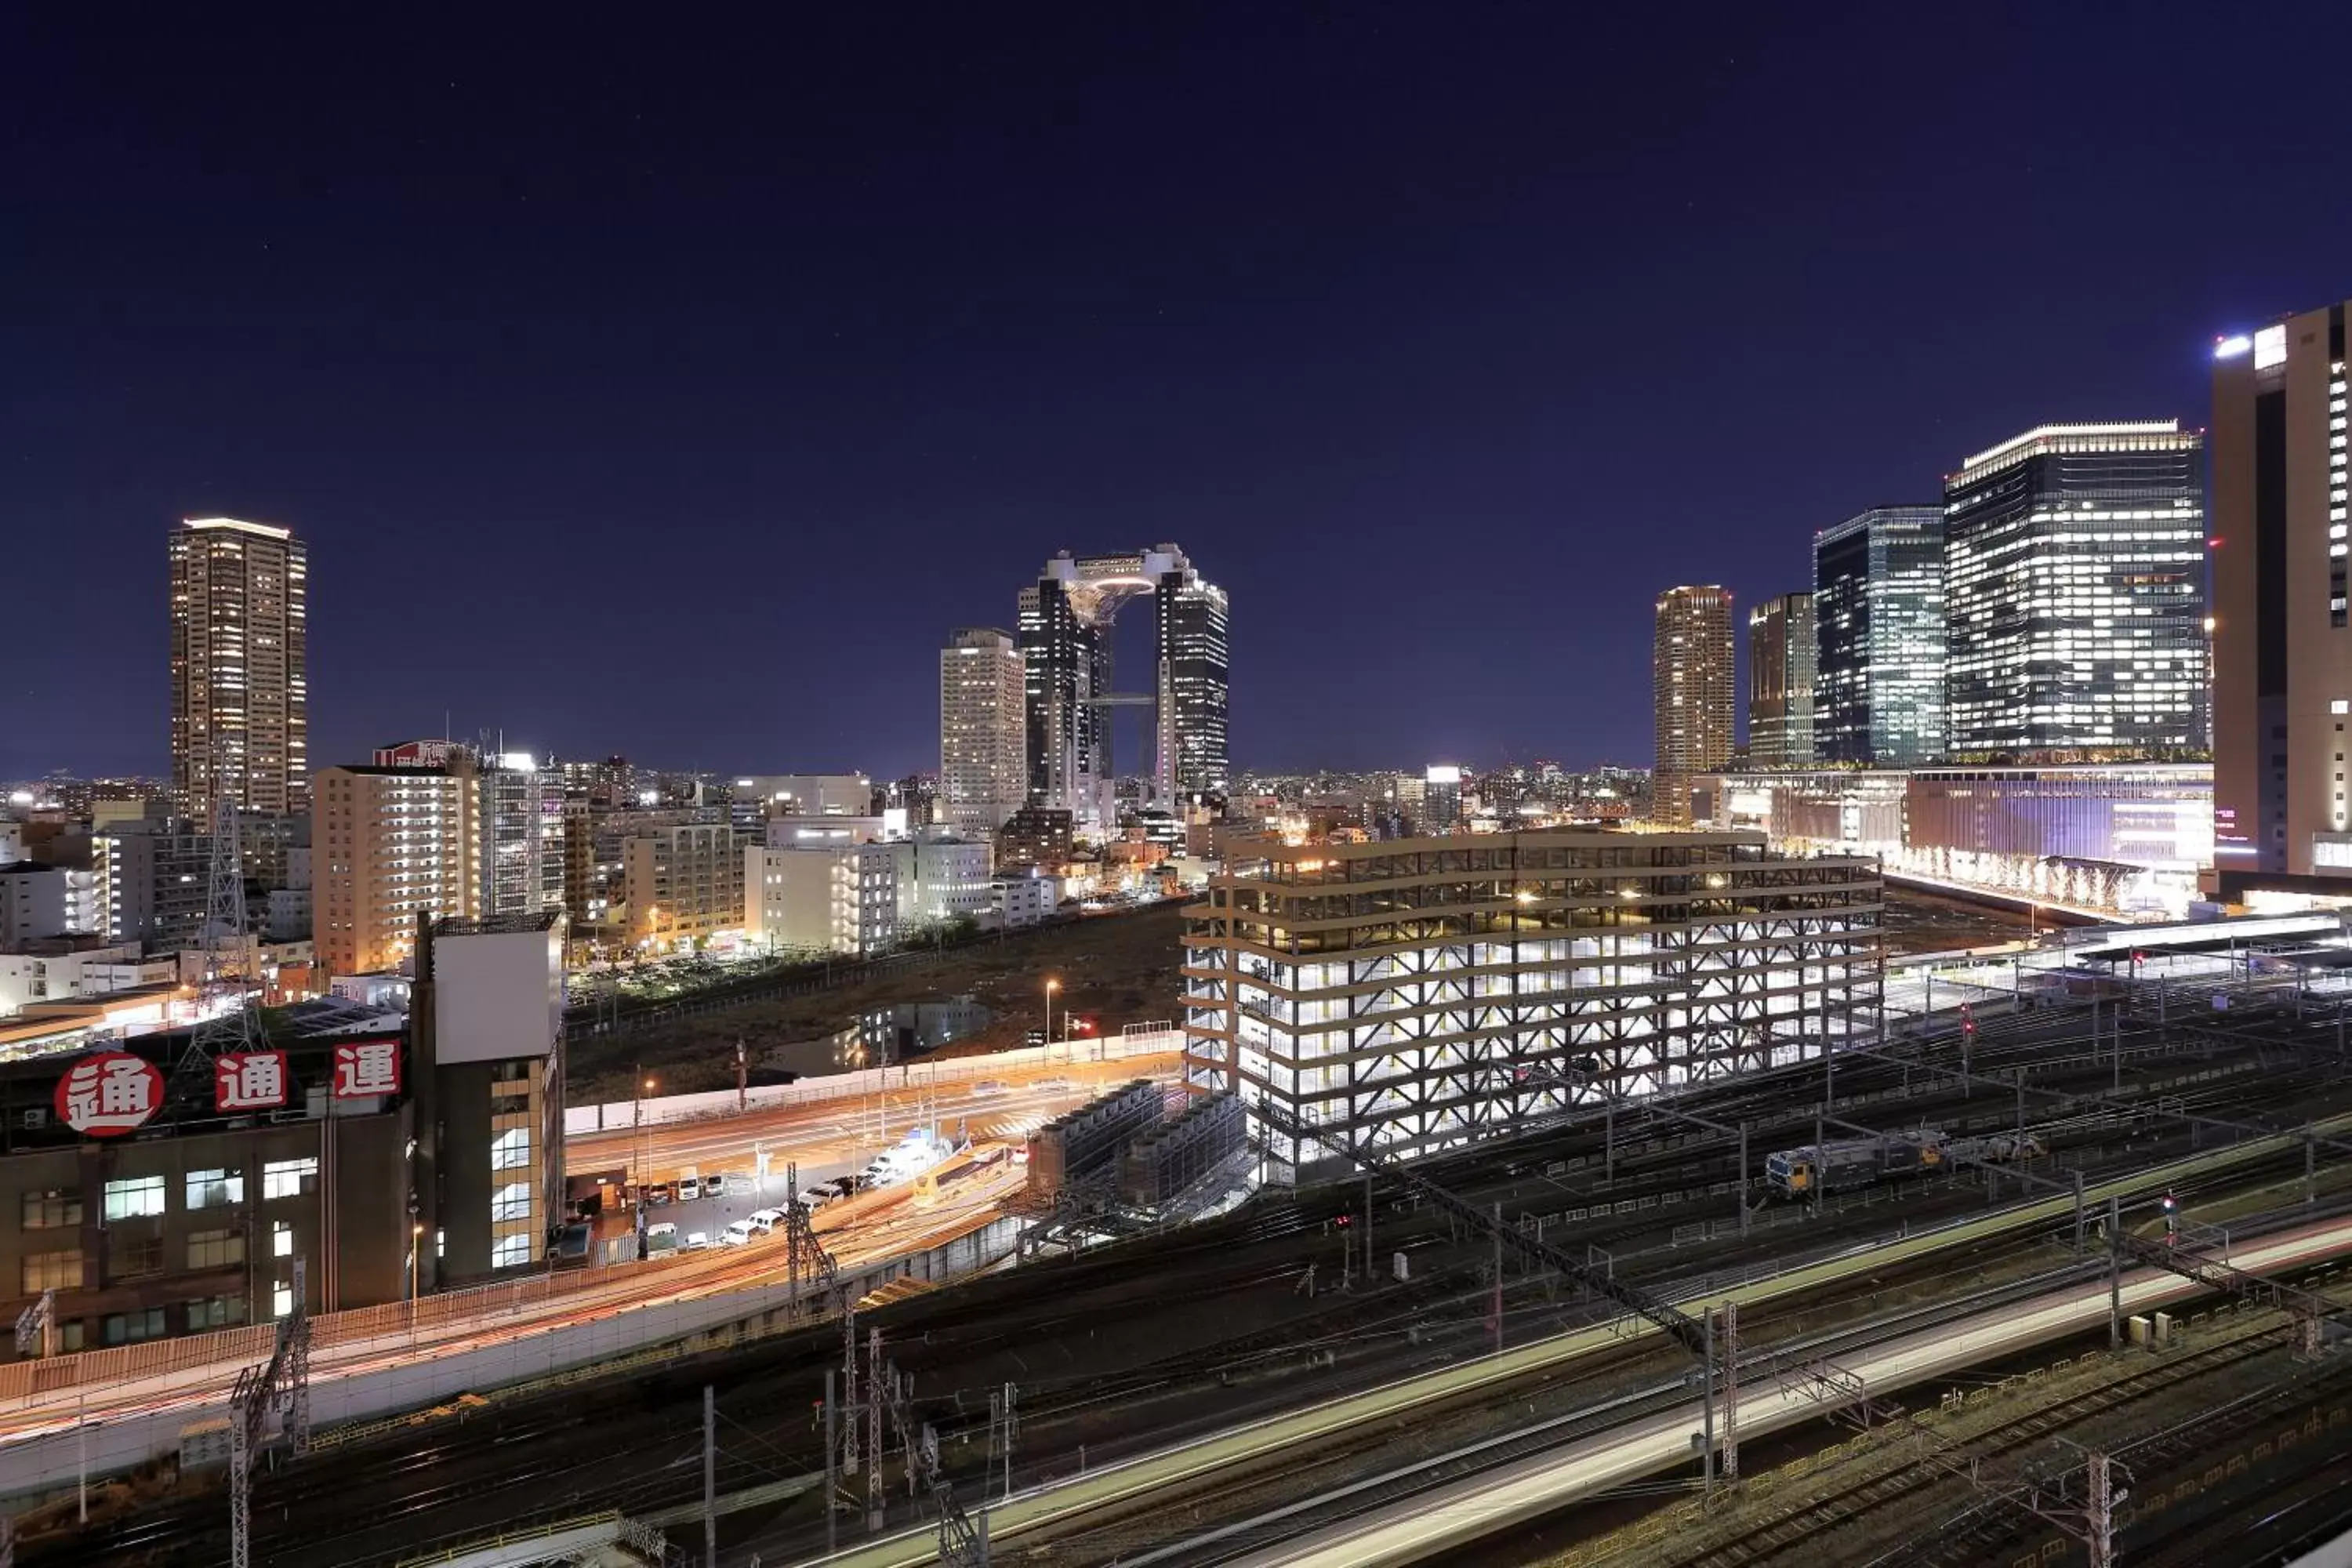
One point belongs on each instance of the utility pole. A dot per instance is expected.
(874, 1396)
(710, 1476)
(1499, 1277)
(1730, 1391)
(2114, 1274)
(832, 1474)
(1707, 1404)
(1369, 1254)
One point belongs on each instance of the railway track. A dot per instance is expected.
(953, 1342)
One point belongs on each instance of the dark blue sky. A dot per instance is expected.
(672, 387)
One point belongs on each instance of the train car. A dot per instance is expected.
(942, 1180)
(1839, 1166)
(1998, 1149)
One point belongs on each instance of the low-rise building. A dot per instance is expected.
(952, 877)
(684, 882)
(1022, 898)
(64, 969)
(1033, 835)
(33, 904)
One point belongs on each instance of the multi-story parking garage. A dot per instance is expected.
(1419, 994)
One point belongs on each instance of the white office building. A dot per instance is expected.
(984, 734)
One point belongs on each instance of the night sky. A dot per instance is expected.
(673, 390)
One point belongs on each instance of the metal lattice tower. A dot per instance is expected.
(1730, 1359)
(226, 972)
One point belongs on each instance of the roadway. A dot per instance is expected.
(834, 1137)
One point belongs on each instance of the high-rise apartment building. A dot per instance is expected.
(1065, 643)
(2075, 594)
(1781, 682)
(1878, 638)
(2282, 644)
(388, 843)
(240, 694)
(984, 734)
(519, 819)
(1693, 677)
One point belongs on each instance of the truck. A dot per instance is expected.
(1846, 1163)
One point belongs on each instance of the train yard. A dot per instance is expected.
(1187, 1341)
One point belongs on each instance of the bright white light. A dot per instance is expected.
(518, 761)
(2270, 347)
(649, 797)
(2231, 347)
(1443, 773)
(20, 798)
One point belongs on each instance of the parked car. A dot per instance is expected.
(689, 1187)
(845, 1186)
(763, 1221)
(715, 1184)
(697, 1241)
(662, 1237)
(739, 1234)
(658, 1193)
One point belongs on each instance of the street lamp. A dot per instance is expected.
(415, 1247)
(1051, 986)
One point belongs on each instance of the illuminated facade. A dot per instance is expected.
(1693, 686)
(2075, 594)
(1440, 807)
(983, 734)
(2119, 838)
(1065, 643)
(1781, 682)
(683, 882)
(240, 678)
(1878, 638)
(1403, 993)
(388, 843)
(2281, 647)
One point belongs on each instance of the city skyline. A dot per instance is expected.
(289, 361)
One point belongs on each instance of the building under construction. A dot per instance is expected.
(1172, 1156)
(1086, 1141)
(1420, 993)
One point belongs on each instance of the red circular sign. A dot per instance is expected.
(108, 1094)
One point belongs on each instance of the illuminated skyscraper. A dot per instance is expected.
(983, 734)
(1694, 687)
(1781, 682)
(2075, 594)
(2281, 646)
(1878, 638)
(1065, 643)
(240, 695)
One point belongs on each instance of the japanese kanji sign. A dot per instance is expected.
(109, 1093)
(250, 1080)
(364, 1069)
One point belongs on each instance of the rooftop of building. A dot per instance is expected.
(26, 866)
(498, 925)
(236, 525)
(2119, 435)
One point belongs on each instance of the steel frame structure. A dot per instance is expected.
(1401, 991)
